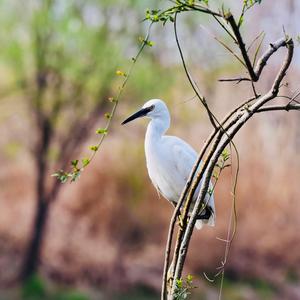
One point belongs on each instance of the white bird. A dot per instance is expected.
(170, 159)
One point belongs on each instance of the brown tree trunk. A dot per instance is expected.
(32, 255)
(33, 252)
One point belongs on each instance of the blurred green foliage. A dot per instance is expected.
(235, 288)
(62, 57)
(80, 42)
(12, 149)
(35, 289)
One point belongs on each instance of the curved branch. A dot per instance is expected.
(265, 57)
(219, 146)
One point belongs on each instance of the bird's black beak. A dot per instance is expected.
(141, 113)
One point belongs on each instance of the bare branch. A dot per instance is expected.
(229, 17)
(238, 79)
(287, 107)
(287, 61)
(265, 57)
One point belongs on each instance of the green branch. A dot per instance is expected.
(77, 166)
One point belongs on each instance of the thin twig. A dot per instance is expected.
(223, 26)
(254, 40)
(201, 98)
(286, 107)
(233, 219)
(253, 89)
(257, 50)
(238, 79)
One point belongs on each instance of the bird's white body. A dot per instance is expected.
(169, 159)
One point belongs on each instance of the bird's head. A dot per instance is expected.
(152, 109)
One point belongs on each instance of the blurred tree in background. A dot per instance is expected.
(62, 56)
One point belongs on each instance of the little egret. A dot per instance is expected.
(169, 159)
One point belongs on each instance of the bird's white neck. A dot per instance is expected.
(155, 130)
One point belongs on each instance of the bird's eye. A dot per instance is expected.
(148, 109)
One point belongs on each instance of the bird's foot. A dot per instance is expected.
(206, 215)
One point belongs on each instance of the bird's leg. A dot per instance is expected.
(207, 214)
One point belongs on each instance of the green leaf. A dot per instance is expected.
(225, 155)
(155, 18)
(62, 176)
(85, 161)
(74, 163)
(121, 73)
(215, 175)
(179, 283)
(189, 278)
(94, 148)
(149, 43)
(101, 131)
(107, 115)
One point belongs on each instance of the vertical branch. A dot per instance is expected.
(229, 17)
(177, 211)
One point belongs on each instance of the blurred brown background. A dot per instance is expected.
(105, 235)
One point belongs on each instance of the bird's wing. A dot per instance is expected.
(184, 157)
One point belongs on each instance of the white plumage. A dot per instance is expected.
(169, 158)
